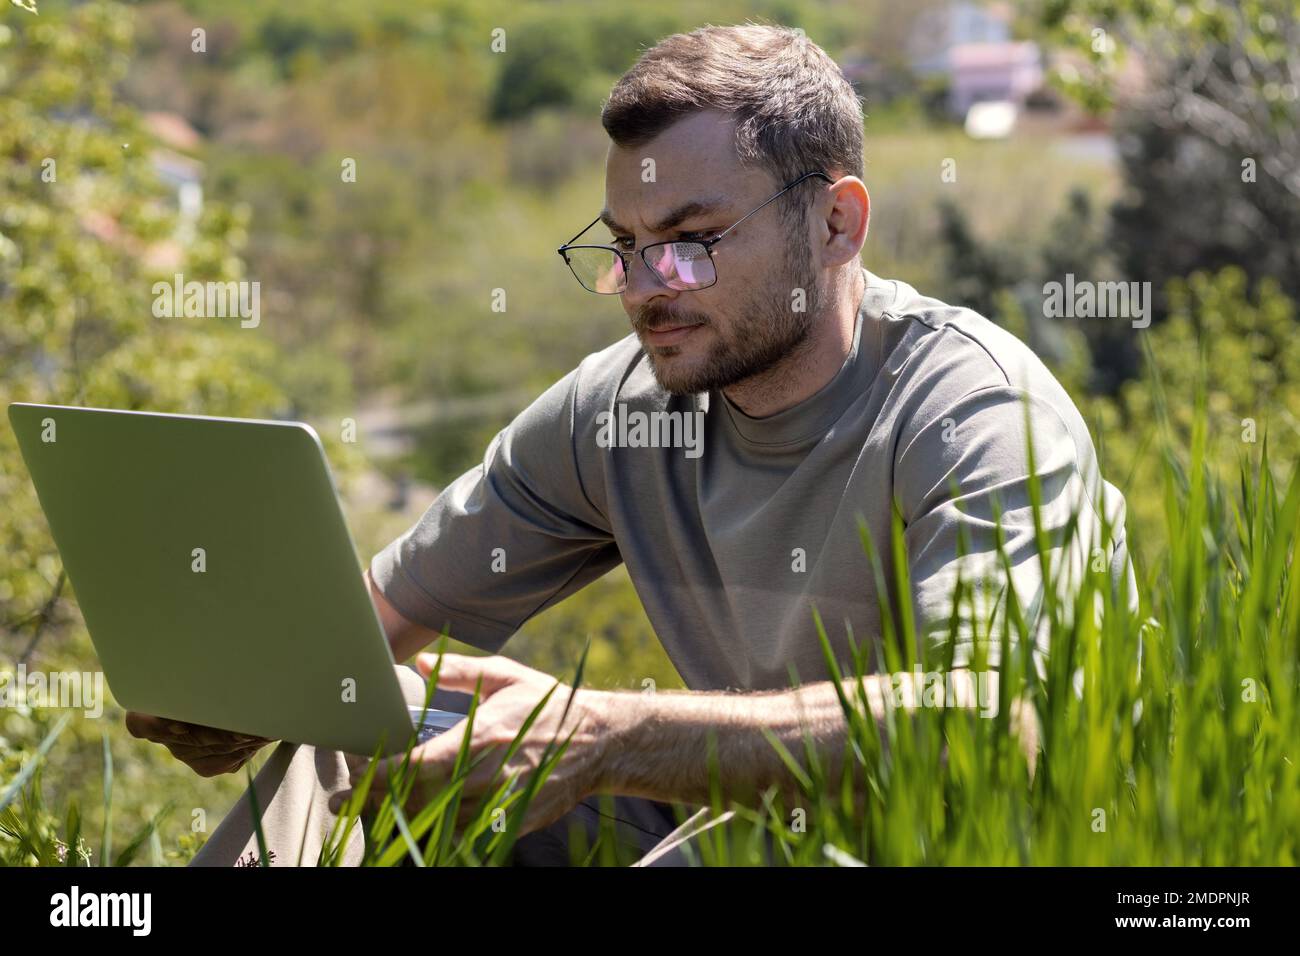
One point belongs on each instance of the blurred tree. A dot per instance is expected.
(1187, 208)
(86, 229)
(1210, 95)
(1244, 337)
(1077, 244)
(974, 271)
(541, 66)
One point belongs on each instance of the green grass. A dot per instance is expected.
(1167, 737)
(29, 835)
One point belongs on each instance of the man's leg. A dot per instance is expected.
(645, 833)
(634, 825)
(293, 789)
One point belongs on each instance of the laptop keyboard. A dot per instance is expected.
(434, 723)
(428, 732)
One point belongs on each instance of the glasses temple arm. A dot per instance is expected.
(585, 228)
(752, 211)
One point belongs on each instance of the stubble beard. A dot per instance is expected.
(765, 333)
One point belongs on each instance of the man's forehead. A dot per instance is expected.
(697, 143)
(667, 196)
(687, 171)
(660, 212)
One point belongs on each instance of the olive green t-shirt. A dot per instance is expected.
(733, 528)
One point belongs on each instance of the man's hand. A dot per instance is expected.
(510, 691)
(205, 750)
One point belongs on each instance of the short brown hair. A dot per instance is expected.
(795, 111)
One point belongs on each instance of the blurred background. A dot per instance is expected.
(382, 169)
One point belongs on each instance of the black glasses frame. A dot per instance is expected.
(708, 244)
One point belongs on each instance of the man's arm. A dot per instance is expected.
(657, 745)
(649, 745)
(405, 637)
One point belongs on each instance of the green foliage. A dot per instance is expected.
(29, 831)
(976, 271)
(1241, 220)
(1238, 340)
(1208, 128)
(540, 73)
(86, 230)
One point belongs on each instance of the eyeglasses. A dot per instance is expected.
(682, 266)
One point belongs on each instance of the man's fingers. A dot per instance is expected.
(209, 736)
(188, 753)
(212, 737)
(217, 765)
(162, 730)
(135, 724)
(145, 726)
(460, 672)
(157, 729)
(431, 763)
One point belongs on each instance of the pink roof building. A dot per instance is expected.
(993, 71)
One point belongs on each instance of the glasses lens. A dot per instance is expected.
(682, 265)
(599, 270)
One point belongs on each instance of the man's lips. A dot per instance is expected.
(670, 334)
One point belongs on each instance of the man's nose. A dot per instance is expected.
(642, 284)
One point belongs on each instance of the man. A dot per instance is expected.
(774, 394)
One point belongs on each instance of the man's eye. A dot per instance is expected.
(628, 244)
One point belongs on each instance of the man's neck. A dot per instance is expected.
(806, 371)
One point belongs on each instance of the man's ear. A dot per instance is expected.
(846, 221)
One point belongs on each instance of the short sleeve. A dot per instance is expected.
(957, 472)
(508, 538)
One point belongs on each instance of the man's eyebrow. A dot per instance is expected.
(688, 210)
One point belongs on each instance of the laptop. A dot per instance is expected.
(216, 575)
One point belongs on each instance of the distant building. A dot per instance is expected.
(983, 72)
(956, 24)
(171, 137)
(173, 131)
(182, 173)
(965, 50)
(970, 46)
